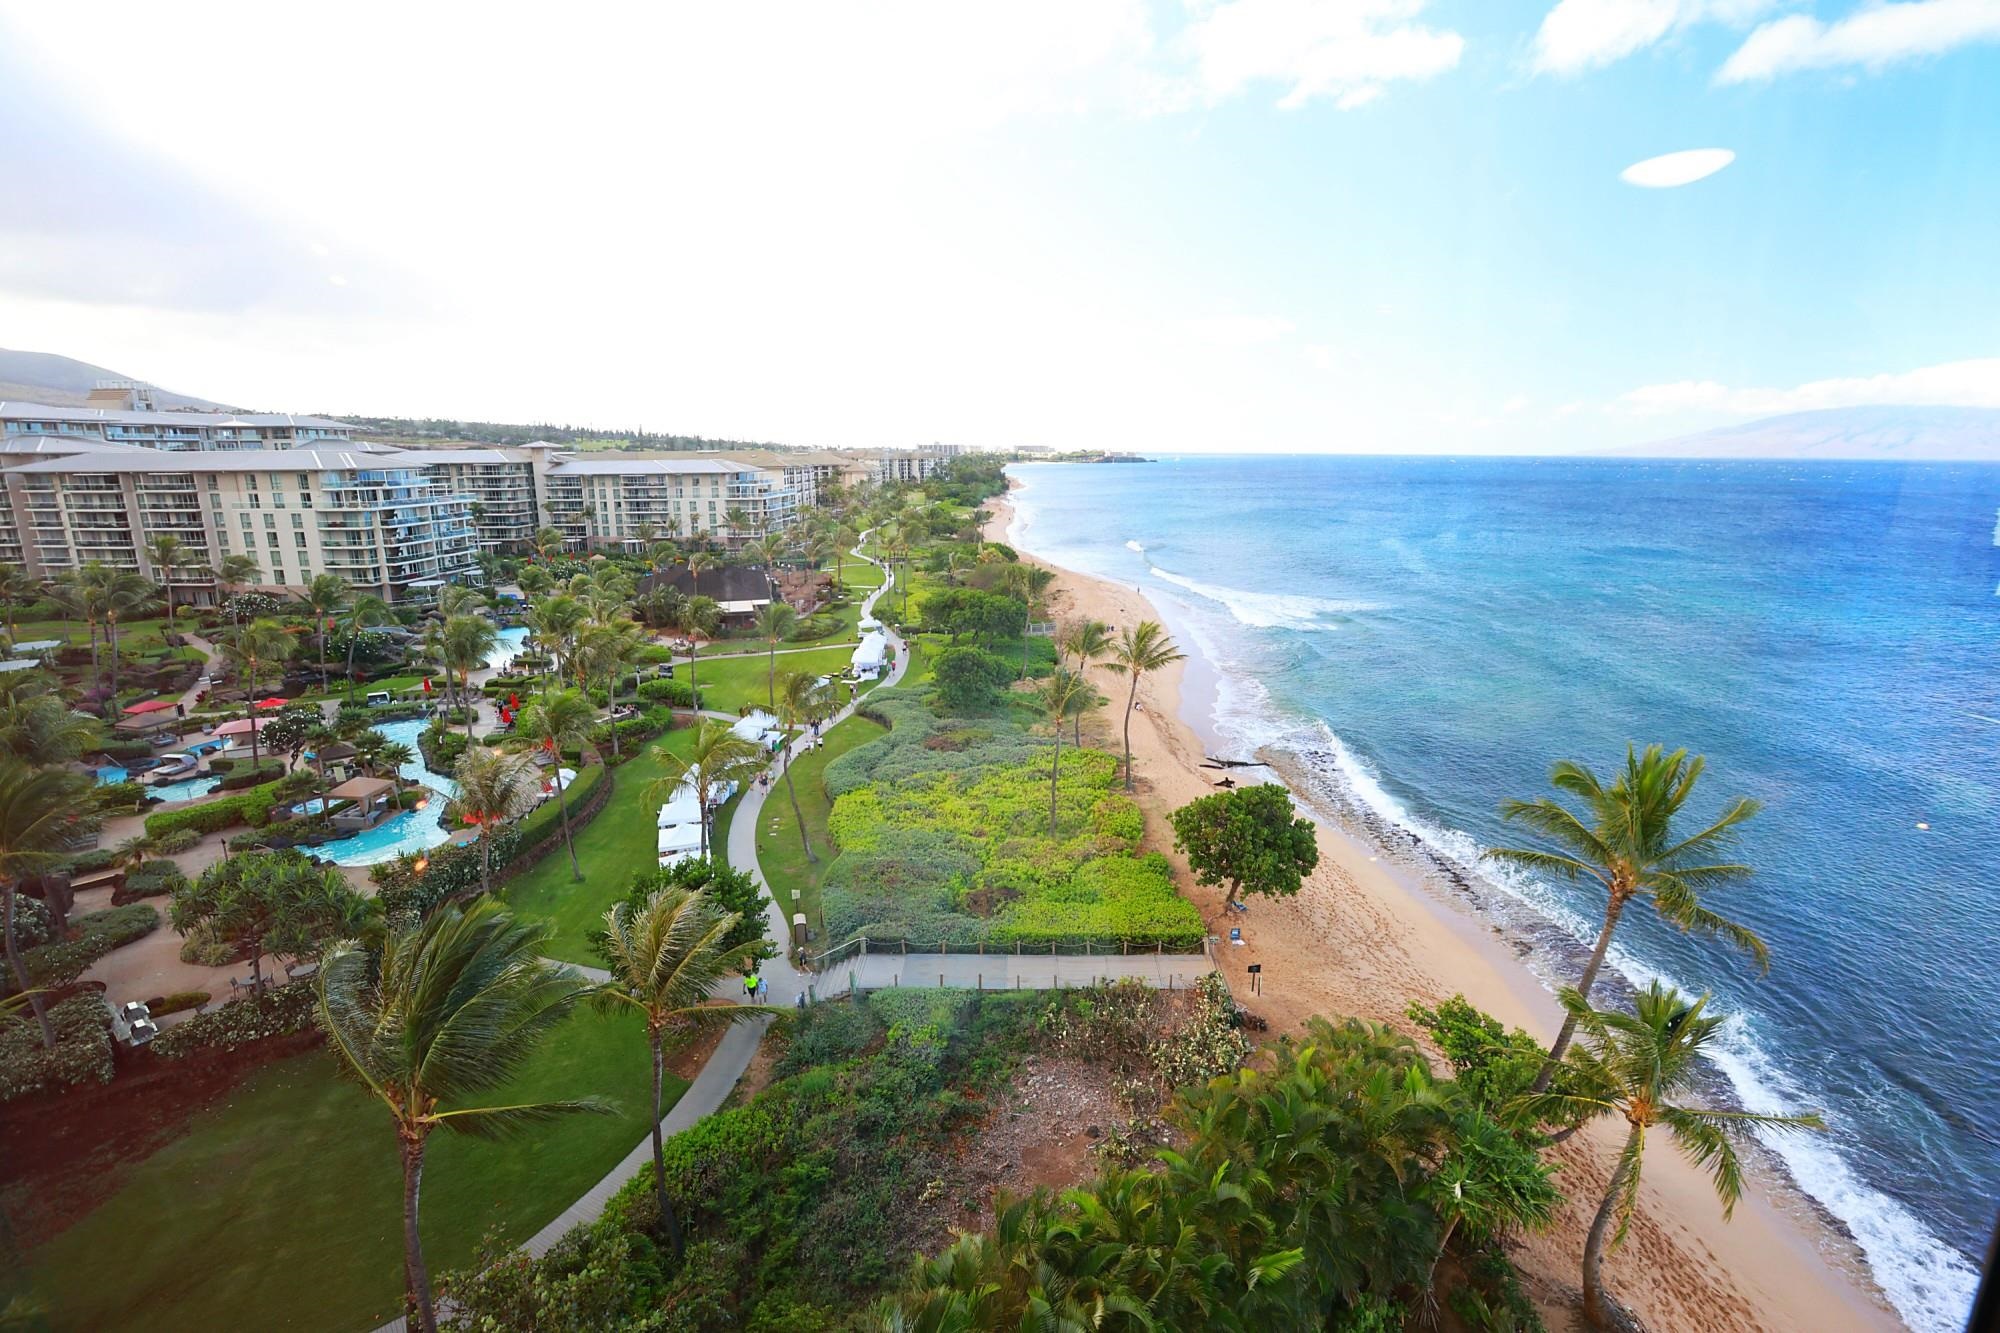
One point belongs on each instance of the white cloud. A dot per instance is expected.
(1234, 330)
(1346, 50)
(1871, 38)
(1672, 169)
(1578, 35)
(1974, 383)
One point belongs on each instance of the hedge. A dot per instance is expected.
(236, 779)
(96, 934)
(673, 693)
(82, 1053)
(179, 1000)
(150, 880)
(252, 807)
(277, 1012)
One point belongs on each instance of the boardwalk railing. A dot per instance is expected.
(867, 945)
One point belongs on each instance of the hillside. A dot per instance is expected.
(1887, 434)
(44, 377)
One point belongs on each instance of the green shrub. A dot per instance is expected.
(152, 879)
(95, 934)
(673, 693)
(252, 807)
(118, 795)
(181, 840)
(236, 779)
(278, 1012)
(179, 1000)
(82, 1052)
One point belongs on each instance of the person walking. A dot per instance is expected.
(750, 983)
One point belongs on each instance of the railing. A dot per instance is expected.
(862, 945)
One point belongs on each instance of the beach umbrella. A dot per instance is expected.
(427, 684)
(150, 706)
(273, 702)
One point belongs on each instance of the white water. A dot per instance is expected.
(1270, 610)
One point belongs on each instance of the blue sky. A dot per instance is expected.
(1231, 224)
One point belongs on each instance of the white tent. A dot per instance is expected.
(757, 727)
(870, 622)
(680, 838)
(684, 807)
(871, 655)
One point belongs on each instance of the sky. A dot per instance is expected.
(1257, 225)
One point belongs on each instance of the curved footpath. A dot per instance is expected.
(866, 971)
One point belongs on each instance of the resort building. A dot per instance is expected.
(149, 428)
(626, 499)
(505, 486)
(380, 521)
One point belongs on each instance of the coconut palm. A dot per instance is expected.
(1636, 1067)
(253, 647)
(434, 1017)
(15, 587)
(607, 649)
(467, 642)
(124, 591)
(366, 611)
(1088, 639)
(1060, 696)
(167, 552)
(801, 702)
(555, 622)
(548, 543)
(234, 571)
(559, 722)
(699, 618)
(38, 812)
(1140, 649)
(666, 956)
(36, 726)
(1625, 842)
(774, 623)
(325, 598)
(717, 758)
(494, 790)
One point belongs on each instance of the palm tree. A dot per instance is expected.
(1139, 650)
(555, 622)
(38, 810)
(556, 723)
(37, 726)
(774, 622)
(666, 956)
(1064, 692)
(439, 1014)
(1635, 1067)
(366, 611)
(717, 758)
(15, 587)
(606, 649)
(457, 599)
(123, 590)
(801, 702)
(548, 543)
(167, 553)
(494, 790)
(325, 598)
(467, 641)
(700, 617)
(1032, 583)
(1088, 639)
(252, 648)
(1626, 843)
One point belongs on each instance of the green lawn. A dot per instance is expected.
(613, 847)
(778, 851)
(728, 683)
(283, 1205)
(858, 573)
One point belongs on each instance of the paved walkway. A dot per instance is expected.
(1004, 971)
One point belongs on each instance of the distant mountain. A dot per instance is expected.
(1892, 434)
(44, 377)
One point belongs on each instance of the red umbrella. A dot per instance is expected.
(513, 701)
(273, 702)
(150, 706)
(427, 684)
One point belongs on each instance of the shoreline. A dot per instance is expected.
(1367, 938)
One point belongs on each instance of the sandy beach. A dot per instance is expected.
(1358, 940)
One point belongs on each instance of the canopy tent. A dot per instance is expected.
(144, 722)
(242, 726)
(562, 778)
(273, 702)
(870, 622)
(870, 655)
(38, 646)
(683, 807)
(150, 706)
(757, 727)
(680, 838)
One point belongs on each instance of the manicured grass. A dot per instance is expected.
(858, 573)
(612, 848)
(729, 683)
(778, 851)
(283, 1206)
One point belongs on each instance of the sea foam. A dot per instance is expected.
(1269, 610)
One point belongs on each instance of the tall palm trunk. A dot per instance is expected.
(20, 970)
(1055, 769)
(353, 641)
(485, 859)
(1613, 907)
(111, 631)
(771, 677)
(322, 657)
(465, 698)
(562, 809)
(694, 686)
(416, 1277)
(611, 707)
(1594, 1308)
(792, 792)
(1131, 698)
(250, 713)
(667, 1215)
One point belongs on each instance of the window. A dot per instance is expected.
(300, 539)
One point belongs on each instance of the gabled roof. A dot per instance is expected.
(19, 410)
(115, 459)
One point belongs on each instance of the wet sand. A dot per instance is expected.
(1360, 940)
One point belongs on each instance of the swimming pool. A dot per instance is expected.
(410, 831)
(186, 789)
(508, 648)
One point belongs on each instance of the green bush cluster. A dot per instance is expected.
(152, 879)
(278, 1012)
(118, 795)
(82, 1052)
(673, 693)
(94, 935)
(236, 779)
(965, 857)
(252, 807)
(920, 741)
(177, 1001)
(636, 731)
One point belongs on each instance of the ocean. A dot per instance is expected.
(1414, 639)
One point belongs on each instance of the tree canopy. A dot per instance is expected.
(1250, 839)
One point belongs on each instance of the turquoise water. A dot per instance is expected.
(410, 831)
(186, 789)
(509, 647)
(1416, 639)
